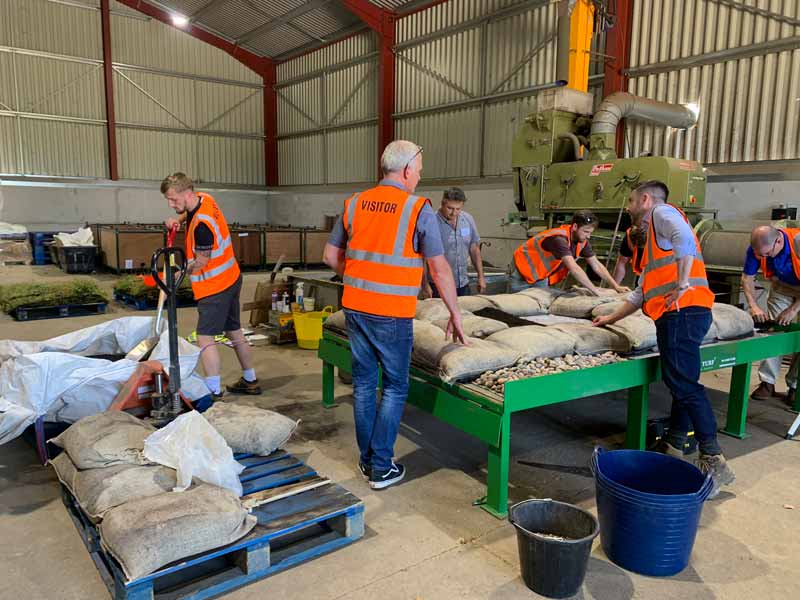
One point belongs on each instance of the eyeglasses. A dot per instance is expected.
(416, 154)
(771, 250)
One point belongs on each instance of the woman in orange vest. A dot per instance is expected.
(216, 281)
(548, 257)
(673, 291)
(378, 248)
(631, 253)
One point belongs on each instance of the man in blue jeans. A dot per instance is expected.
(673, 291)
(378, 247)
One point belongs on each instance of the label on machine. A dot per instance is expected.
(601, 168)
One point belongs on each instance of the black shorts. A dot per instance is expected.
(220, 312)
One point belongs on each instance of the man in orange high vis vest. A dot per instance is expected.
(548, 257)
(216, 281)
(378, 248)
(776, 253)
(631, 252)
(673, 291)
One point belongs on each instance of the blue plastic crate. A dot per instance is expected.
(39, 241)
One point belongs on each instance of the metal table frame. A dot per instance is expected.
(487, 415)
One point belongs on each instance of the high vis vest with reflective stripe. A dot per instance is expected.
(636, 258)
(794, 248)
(660, 276)
(222, 270)
(382, 272)
(535, 263)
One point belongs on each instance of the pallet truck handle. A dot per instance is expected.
(172, 256)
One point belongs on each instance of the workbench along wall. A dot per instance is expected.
(739, 60)
(180, 103)
(328, 113)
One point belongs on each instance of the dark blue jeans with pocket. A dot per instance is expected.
(680, 334)
(386, 342)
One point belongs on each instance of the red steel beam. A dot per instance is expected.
(383, 22)
(618, 47)
(270, 76)
(108, 73)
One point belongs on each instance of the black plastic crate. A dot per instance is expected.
(77, 259)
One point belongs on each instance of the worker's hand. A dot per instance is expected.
(759, 316)
(172, 222)
(455, 330)
(672, 297)
(427, 291)
(621, 289)
(787, 317)
(606, 320)
(481, 285)
(604, 292)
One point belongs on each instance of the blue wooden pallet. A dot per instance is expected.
(147, 303)
(289, 531)
(35, 313)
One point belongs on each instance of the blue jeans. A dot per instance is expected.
(374, 341)
(517, 283)
(460, 291)
(680, 334)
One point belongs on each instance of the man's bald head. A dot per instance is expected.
(765, 239)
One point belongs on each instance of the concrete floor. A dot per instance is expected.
(424, 539)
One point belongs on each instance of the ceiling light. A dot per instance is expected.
(694, 107)
(179, 20)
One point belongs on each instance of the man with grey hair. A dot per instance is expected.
(378, 248)
(461, 243)
(774, 251)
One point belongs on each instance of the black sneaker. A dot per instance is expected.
(378, 481)
(717, 467)
(217, 397)
(366, 470)
(249, 388)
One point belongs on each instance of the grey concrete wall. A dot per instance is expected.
(743, 204)
(64, 206)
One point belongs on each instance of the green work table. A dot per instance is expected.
(487, 415)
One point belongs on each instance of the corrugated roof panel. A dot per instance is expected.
(229, 108)
(352, 47)
(234, 18)
(325, 20)
(64, 149)
(52, 27)
(187, 7)
(301, 160)
(229, 160)
(9, 146)
(165, 101)
(280, 39)
(352, 93)
(300, 106)
(145, 154)
(352, 154)
(8, 99)
(503, 120)
(446, 14)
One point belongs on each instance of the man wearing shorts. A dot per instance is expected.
(216, 280)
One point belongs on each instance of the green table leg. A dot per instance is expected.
(327, 385)
(636, 432)
(496, 503)
(737, 402)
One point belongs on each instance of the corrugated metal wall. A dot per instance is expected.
(327, 114)
(183, 105)
(467, 73)
(739, 64)
(52, 112)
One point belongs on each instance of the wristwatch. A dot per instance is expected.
(684, 287)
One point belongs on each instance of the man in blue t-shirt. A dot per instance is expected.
(771, 250)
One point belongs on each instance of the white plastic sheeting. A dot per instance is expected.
(53, 380)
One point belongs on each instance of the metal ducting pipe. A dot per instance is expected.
(576, 144)
(725, 248)
(622, 105)
(562, 43)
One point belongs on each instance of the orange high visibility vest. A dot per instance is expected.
(636, 259)
(382, 271)
(535, 263)
(222, 270)
(660, 276)
(794, 248)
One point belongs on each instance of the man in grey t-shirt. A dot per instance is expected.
(461, 242)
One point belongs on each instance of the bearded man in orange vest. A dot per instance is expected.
(673, 291)
(216, 281)
(547, 258)
(378, 248)
(776, 253)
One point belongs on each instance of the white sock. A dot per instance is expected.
(213, 384)
(249, 374)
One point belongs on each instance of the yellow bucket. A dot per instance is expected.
(308, 327)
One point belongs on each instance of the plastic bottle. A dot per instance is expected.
(298, 294)
(287, 307)
(274, 300)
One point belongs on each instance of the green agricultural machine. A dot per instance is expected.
(564, 160)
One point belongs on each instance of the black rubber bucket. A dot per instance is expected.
(554, 540)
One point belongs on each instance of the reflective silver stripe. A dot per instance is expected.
(668, 287)
(351, 209)
(224, 245)
(211, 222)
(384, 259)
(402, 227)
(652, 265)
(527, 255)
(211, 273)
(382, 288)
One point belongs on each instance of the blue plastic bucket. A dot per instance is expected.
(649, 506)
